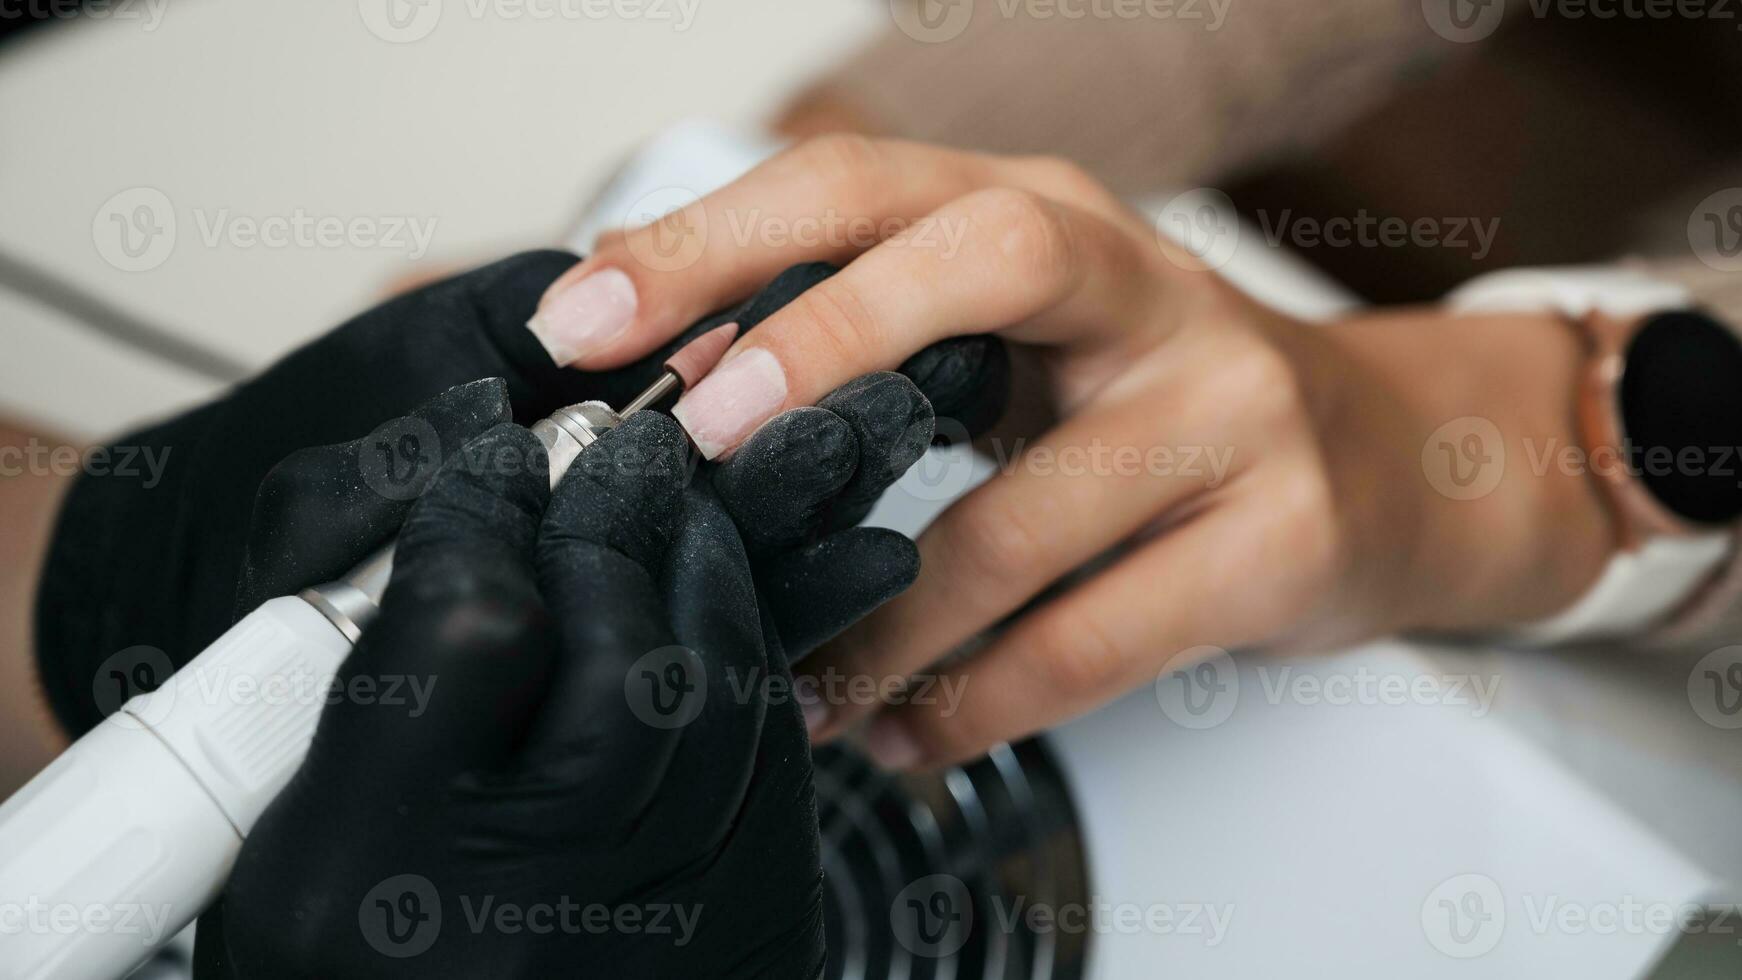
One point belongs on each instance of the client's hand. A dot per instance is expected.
(605, 780)
(1233, 477)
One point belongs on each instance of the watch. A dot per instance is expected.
(1659, 409)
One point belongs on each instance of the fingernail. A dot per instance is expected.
(816, 715)
(891, 745)
(730, 403)
(585, 316)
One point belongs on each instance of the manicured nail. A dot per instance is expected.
(585, 316)
(730, 403)
(891, 745)
(816, 715)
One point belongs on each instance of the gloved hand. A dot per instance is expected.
(172, 566)
(599, 786)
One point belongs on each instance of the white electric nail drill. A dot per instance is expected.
(131, 833)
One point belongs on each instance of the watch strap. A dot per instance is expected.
(1657, 578)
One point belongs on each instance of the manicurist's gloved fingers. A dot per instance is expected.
(781, 487)
(894, 424)
(740, 779)
(967, 381)
(816, 591)
(615, 701)
(712, 600)
(814, 470)
(324, 507)
(463, 636)
(811, 471)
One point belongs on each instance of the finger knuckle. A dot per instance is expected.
(999, 541)
(842, 159)
(1263, 381)
(478, 611)
(1304, 524)
(1064, 177)
(1030, 235)
(962, 735)
(841, 320)
(1077, 653)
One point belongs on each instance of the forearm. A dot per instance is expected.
(1144, 101)
(28, 501)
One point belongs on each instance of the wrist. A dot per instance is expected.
(29, 501)
(1508, 523)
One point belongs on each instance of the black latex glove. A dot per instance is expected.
(798, 486)
(549, 772)
(169, 568)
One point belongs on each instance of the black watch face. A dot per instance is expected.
(1681, 411)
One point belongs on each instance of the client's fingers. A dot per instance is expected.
(1035, 269)
(1167, 601)
(641, 287)
(1069, 497)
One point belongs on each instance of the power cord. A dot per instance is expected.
(103, 317)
